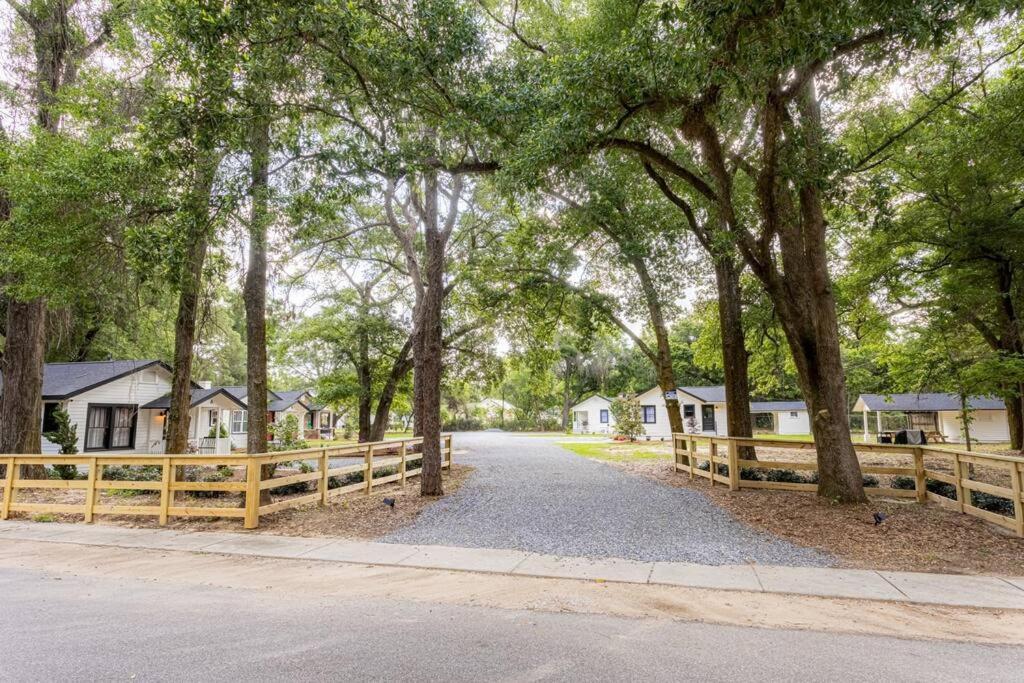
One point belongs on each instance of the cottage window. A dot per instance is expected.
(239, 421)
(792, 413)
(110, 427)
(649, 414)
(604, 417)
(689, 410)
(325, 420)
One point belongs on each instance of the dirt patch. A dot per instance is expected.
(354, 515)
(914, 537)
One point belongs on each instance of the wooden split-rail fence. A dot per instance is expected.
(393, 454)
(725, 450)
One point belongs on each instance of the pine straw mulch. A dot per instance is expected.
(352, 515)
(914, 537)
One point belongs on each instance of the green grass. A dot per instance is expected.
(616, 452)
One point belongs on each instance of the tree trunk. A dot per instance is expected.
(734, 353)
(21, 366)
(662, 359)
(399, 369)
(189, 291)
(255, 296)
(429, 365)
(417, 375)
(365, 386)
(1015, 418)
(24, 354)
(567, 401)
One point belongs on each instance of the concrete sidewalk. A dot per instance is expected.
(912, 587)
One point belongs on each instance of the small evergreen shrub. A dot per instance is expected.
(785, 477)
(752, 474)
(903, 483)
(940, 488)
(996, 504)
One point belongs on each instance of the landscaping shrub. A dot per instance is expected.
(216, 476)
(65, 436)
(997, 504)
(869, 480)
(751, 474)
(723, 470)
(940, 488)
(903, 483)
(133, 473)
(786, 477)
(130, 473)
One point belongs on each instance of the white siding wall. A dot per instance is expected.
(987, 425)
(593, 407)
(786, 423)
(136, 389)
(661, 429)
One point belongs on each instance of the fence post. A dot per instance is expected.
(252, 493)
(712, 454)
(1018, 495)
(691, 453)
(90, 492)
(369, 468)
(734, 466)
(448, 451)
(401, 462)
(958, 473)
(167, 476)
(5, 512)
(325, 479)
(920, 485)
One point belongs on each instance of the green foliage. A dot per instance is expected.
(628, 420)
(65, 436)
(287, 435)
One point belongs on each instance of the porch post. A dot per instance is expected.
(865, 413)
(878, 420)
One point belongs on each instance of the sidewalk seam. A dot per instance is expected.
(898, 589)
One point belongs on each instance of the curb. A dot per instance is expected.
(984, 592)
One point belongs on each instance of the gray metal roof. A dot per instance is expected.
(776, 406)
(927, 403)
(706, 394)
(61, 381)
(198, 396)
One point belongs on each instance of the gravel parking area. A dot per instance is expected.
(527, 493)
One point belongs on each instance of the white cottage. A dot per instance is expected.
(939, 415)
(120, 406)
(593, 415)
(704, 412)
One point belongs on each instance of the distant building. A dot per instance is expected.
(939, 415)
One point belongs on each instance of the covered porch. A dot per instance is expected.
(209, 431)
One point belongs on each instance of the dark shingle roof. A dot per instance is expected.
(64, 380)
(776, 406)
(198, 396)
(286, 399)
(927, 403)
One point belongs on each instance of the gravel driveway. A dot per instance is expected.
(527, 493)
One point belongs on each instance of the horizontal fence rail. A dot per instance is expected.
(382, 462)
(724, 452)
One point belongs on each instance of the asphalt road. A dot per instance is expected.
(529, 493)
(71, 627)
